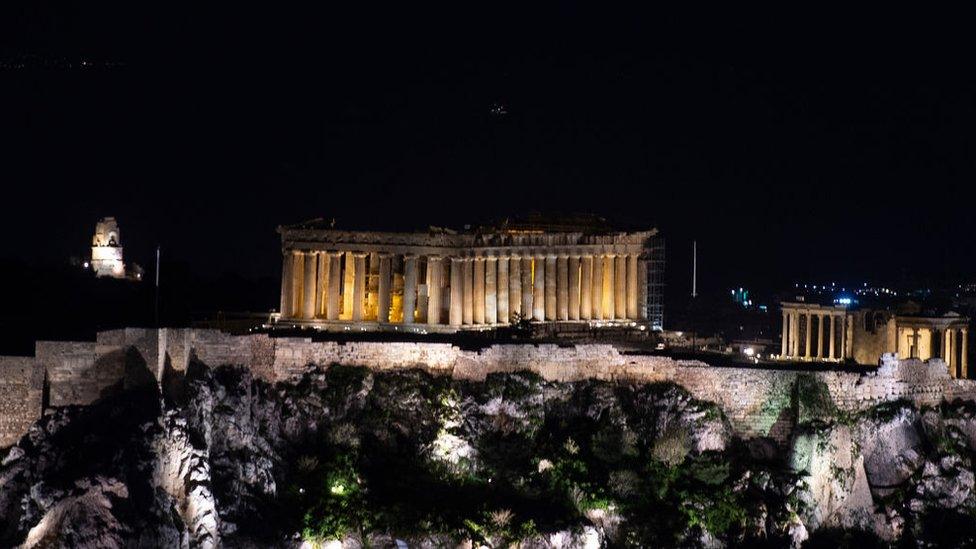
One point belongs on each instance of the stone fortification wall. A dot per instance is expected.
(758, 402)
(21, 394)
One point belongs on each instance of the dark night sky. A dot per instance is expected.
(794, 146)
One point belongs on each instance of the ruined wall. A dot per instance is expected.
(21, 391)
(81, 372)
(873, 336)
(758, 402)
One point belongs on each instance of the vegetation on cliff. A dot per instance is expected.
(356, 455)
(516, 458)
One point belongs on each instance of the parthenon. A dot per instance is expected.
(443, 280)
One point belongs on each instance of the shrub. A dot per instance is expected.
(672, 447)
(339, 506)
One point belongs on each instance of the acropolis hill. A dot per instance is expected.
(488, 387)
(758, 402)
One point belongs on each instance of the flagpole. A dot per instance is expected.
(157, 286)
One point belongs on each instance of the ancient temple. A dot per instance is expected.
(827, 332)
(481, 278)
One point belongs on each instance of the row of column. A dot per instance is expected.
(470, 290)
(489, 290)
(791, 335)
(953, 347)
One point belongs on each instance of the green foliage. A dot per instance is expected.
(886, 411)
(716, 511)
(336, 502)
(813, 400)
(546, 466)
(346, 377)
(673, 445)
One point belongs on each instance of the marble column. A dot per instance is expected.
(504, 315)
(435, 285)
(898, 351)
(491, 290)
(551, 287)
(609, 311)
(820, 335)
(539, 288)
(642, 288)
(597, 293)
(809, 330)
(586, 287)
(308, 285)
(297, 304)
(620, 286)
(632, 287)
(943, 345)
(383, 303)
(287, 283)
(359, 287)
(372, 286)
(562, 287)
(573, 266)
(423, 297)
(348, 284)
(833, 336)
(335, 284)
(964, 354)
(478, 311)
(838, 324)
(795, 334)
(848, 325)
(528, 286)
(786, 334)
(409, 288)
(467, 287)
(950, 358)
(321, 283)
(514, 287)
(456, 317)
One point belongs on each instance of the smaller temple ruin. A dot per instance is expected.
(818, 332)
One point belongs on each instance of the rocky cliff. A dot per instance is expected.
(224, 458)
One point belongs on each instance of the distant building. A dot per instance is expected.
(106, 256)
(836, 333)
(574, 269)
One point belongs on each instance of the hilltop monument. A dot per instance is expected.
(106, 256)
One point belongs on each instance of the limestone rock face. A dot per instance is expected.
(892, 446)
(834, 471)
(203, 466)
(947, 484)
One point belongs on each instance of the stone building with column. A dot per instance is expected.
(442, 280)
(106, 251)
(837, 333)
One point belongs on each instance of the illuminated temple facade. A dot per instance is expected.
(441, 280)
(824, 333)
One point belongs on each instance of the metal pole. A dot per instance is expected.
(694, 268)
(157, 287)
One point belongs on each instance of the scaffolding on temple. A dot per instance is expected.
(655, 283)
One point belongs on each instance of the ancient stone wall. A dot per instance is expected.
(21, 392)
(758, 402)
(72, 375)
